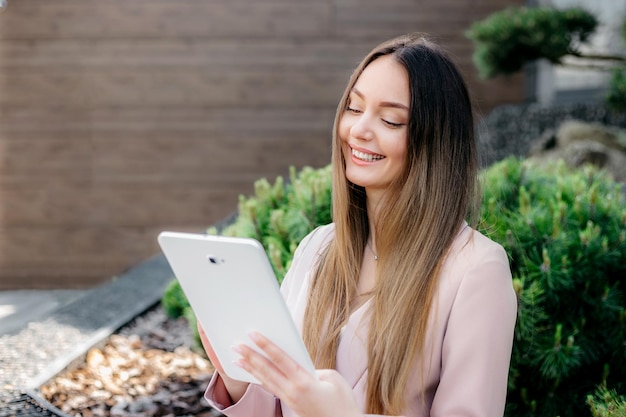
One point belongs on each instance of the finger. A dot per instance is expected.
(277, 371)
(276, 355)
(261, 368)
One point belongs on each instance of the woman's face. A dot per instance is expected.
(373, 129)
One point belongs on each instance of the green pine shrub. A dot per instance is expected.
(607, 403)
(281, 215)
(565, 233)
(174, 301)
(190, 316)
(507, 39)
(616, 97)
(175, 305)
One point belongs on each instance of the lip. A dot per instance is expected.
(358, 161)
(358, 148)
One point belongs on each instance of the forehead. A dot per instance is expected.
(384, 79)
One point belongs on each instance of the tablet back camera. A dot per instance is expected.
(214, 259)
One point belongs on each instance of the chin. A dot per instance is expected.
(357, 180)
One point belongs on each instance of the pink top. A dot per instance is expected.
(469, 344)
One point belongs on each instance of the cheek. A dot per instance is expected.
(403, 151)
(400, 151)
(343, 130)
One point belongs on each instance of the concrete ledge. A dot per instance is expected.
(102, 311)
(50, 344)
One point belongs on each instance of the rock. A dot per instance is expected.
(587, 152)
(576, 131)
(579, 143)
(510, 130)
(545, 142)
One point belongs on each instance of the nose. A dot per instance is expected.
(362, 128)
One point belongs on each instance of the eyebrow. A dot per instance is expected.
(392, 104)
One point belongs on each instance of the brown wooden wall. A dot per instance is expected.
(121, 118)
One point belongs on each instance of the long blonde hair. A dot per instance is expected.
(414, 229)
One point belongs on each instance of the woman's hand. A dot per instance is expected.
(235, 389)
(306, 395)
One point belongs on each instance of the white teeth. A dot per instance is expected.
(367, 157)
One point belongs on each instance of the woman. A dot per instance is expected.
(403, 306)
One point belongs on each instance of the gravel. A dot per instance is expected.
(34, 353)
(29, 353)
(148, 368)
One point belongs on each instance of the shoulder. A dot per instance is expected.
(478, 264)
(309, 249)
(296, 282)
(471, 249)
(475, 322)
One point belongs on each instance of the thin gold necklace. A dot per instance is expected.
(371, 250)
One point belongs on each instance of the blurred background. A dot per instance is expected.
(123, 118)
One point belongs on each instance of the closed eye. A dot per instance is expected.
(353, 110)
(392, 124)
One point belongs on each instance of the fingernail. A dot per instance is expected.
(237, 349)
(255, 336)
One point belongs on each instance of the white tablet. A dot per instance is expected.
(232, 289)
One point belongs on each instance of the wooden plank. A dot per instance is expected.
(140, 180)
(173, 87)
(451, 7)
(46, 121)
(93, 244)
(271, 158)
(93, 19)
(132, 204)
(67, 154)
(205, 159)
(310, 55)
(46, 202)
(73, 257)
(156, 155)
(150, 205)
(374, 19)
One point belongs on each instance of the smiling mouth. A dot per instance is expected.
(367, 157)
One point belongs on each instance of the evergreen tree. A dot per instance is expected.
(565, 232)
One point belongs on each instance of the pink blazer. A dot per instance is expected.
(469, 344)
